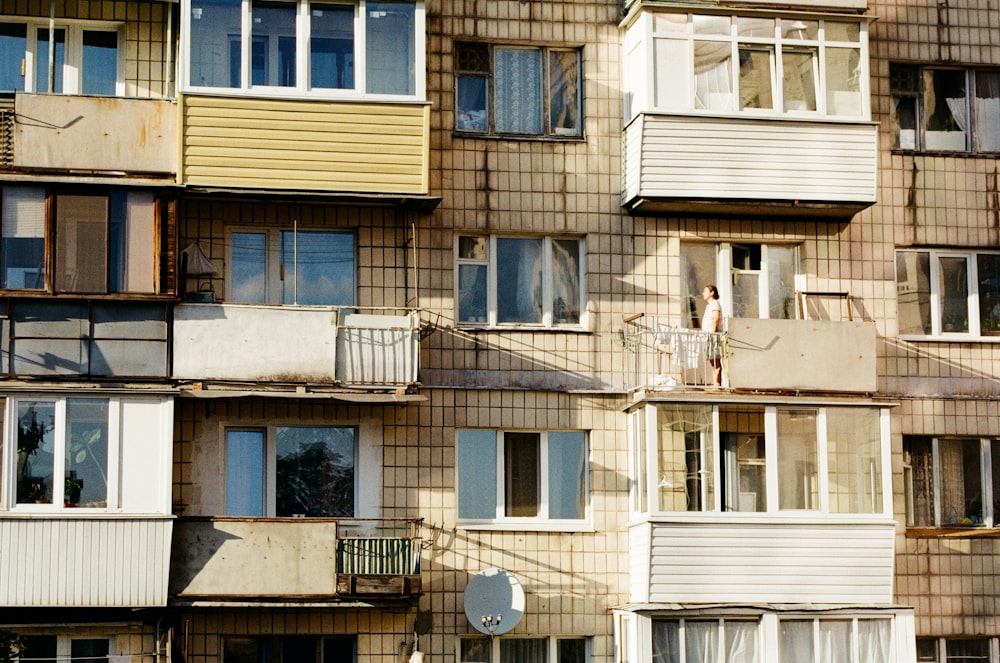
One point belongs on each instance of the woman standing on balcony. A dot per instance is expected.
(712, 322)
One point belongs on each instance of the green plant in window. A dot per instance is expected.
(31, 434)
(11, 646)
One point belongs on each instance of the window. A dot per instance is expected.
(103, 243)
(290, 471)
(951, 482)
(707, 641)
(818, 640)
(953, 650)
(289, 648)
(78, 58)
(520, 477)
(939, 109)
(754, 280)
(522, 650)
(752, 65)
(518, 90)
(945, 293)
(529, 281)
(332, 49)
(303, 267)
(53, 648)
(741, 458)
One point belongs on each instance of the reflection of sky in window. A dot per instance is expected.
(319, 268)
(100, 62)
(13, 42)
(249, 269)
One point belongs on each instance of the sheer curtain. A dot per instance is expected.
(666, 642)
(713, 75)
(988, 111)
(873, 640)
(742, 642)
(518, 86)
(701, 642)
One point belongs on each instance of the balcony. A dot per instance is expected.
(226, 558)
(296, 344)
(804, 355)
(101, 135)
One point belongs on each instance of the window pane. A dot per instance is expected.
(919, 480)
(22, 253)
(89, 650)
(518, 87)
(132, 242)
(666, 642)
(960, 466)
(318, 268)
(953, 281)
(781, 282)
(843, 81)
(248, 277)
(215, 43)
(834, 641)
(927, 650)
(673, 73)
(795, 641)
(100, 62)
(566, 281)
(519, 280)
(81, 244)
(988, 111)
(701, 641)
(331, 46)
(913, 292)
(567, 475)
(571, 650)
(686, 481)
(273, 43)
(564, 93)
(710, 24)
(713, 80)
(523, 650)
(477, 474)
(86, 479)
(470, 98)
(475, 650)
(756, 77)
(744, 475)
(799, 79)
(967, 651)
(391, 52)
(245, 473)
(36, 421)
(340, 649)
(42, 65)
(837, 31)
(988, 273)
(39, 649)
(945, 110)
(874, 643)
(797, 478)
(522, 475)
(315, 472)
(854, 460)
(698, 269)
(742, 642)
(13, 43)
(241, 650)
(472, 293)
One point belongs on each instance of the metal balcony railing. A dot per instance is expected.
(6, 137)
(661, 356)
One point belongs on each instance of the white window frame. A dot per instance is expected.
(552, 646)
(64, 645)
(941, 647)
(726, 272)
(303, 86)
(990, 519)
(855, 645)
(548, 319)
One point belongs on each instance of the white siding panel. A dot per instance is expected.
(809, 563)
(146, 453)
(639, 566)
(735, 158)
(84, 562)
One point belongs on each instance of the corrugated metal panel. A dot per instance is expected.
(279, 144)
(780, 563)
(767, 160)
(378, 349)
(84, 562)
(377, 556)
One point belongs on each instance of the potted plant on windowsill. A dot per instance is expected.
(73, 487)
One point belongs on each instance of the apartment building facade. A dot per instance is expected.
(320, 319)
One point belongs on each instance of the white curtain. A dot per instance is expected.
(701, 642)
(518, 84)
(873, 640)
(835, 641)
(742, 642)
(713, 75)
(959, 111)
(666, 642)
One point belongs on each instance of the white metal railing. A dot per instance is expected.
(663, 356)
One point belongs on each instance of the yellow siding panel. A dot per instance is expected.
(321, 145)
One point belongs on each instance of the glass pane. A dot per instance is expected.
(795, 641)
(564, 93)
(756, 77)
(523, 650)
(42, 65)
(473, 248)
(797, 471)
(742, 642)
(248, 270)
(477, 474)
(710, 24)
(666, 642)
(746, 294)
(566, 281)
(475, 650)
(686, 481)
(672, 68)
(470, 97)
(874, 644)
(798, 29)
(927, 650)
(913, 292)
(391, 48)
(100, 62)
(318, 268)
(854, 460)
(919, 480)
(567, 475)
(967, 651)
(241, 650)
(39, 649)
(81, 244)
(995, 474)
(835, 641)
(36, 422)
(781, 282)
(837, 31)
(799, 79)
(245, 473)
(89, 650)
(273, 43)
(472, 293)
(744, 469)
(953, 281)
(843, 81)
(904, 118)
(132, 242)
(946, 113)
(215, 43)
(698, 269)
(22, 252)
(13, 43)
(315, 472)
(86, 479)
(519, 280)
(960, 467)
(571, 650)
(988, 275)
(713, 76)
(518, 86)
(331, 46)
(987, 111)
(754, 26)
(522, 475)
(701, 642)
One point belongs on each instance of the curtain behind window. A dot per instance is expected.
(518, 85)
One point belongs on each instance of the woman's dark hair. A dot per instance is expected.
(714, 291)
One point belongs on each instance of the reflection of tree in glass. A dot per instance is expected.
(31, 434)
(315, 472)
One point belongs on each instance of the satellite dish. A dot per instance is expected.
(494, 601)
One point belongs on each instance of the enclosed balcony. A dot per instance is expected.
(314, 559)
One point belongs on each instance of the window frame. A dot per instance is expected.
(501, 521)
(64, 647)
(549, 320)
(303, 64)
(988, 484)
(855, 653)
(494, 646)
(266, 641)
(940, 646)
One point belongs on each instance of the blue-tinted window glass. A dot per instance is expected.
(477, 474)
(22, 248)
(390, 57)
(42, 63)
(567, 474)
(248, 278)
(215, 43)
(100, 62)
(86, 480)
(519, 280)
(315, 472)
(331, 49)
(318, 268)
(13, 41)
(273, 43)
(36, 452)
(245, 473)
(116, 240)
